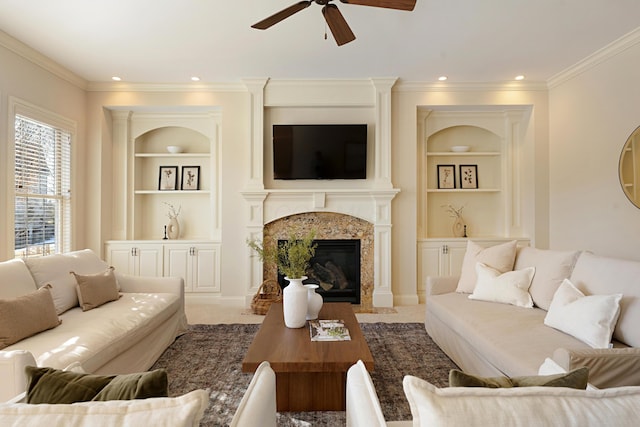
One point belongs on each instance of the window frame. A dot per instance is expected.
(18, 107)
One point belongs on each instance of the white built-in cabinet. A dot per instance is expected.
(198, 263)
(492, 211)
(135, 258)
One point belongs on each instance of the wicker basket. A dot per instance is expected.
(268, 293)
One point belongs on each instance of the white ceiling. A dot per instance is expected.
(168, 41)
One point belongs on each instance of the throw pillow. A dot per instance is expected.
(27, 315)
(520, 406)
(500, 257)
(185, 410)
(48, 385)
(590, 319)
(511, 287)
(96, 289)
(578, 378)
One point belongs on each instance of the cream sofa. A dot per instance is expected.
(123, 336)
(494, 339)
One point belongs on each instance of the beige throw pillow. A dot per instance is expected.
(96, 289)
(499, 257)
(578, 378)
(26, 315)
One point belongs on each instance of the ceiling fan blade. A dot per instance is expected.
(283, 14)
(389, 4)
(338, 25)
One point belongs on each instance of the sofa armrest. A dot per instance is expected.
(14, 379)
(441, 285)
(608, 367)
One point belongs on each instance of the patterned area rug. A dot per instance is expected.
(210, 357)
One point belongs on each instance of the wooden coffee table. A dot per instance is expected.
(310, 376)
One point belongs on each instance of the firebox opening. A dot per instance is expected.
(335, 268)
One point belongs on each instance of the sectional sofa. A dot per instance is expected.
(127, 334)
(497, 331)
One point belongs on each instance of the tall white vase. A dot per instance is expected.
(294, 303)
(173, 228)
(314, 302)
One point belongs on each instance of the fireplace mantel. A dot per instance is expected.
(372, 205)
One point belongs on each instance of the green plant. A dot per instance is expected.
(291, 257)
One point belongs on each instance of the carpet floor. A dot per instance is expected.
(210, 357)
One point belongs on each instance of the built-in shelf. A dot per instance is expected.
(464, 153)
(173, 156)
(173, 192)
(464, 190)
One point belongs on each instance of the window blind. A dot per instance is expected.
(42, 215)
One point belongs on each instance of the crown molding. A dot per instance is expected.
(40, 60)
(409, 86)
(165, 87)
(609, 51)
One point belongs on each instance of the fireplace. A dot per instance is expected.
(335, 268)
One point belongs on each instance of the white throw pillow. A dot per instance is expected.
(591, 319)
(500, 257)
(363, 406)
(520, 406)
(511, 287)
(183, 411)
(258, 405)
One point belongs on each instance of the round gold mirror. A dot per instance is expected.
(630, 167)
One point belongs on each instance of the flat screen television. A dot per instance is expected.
(325, 151)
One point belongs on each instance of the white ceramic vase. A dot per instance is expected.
(173, 228)
(294, 303)
(314, 302)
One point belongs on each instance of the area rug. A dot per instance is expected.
(210, 357)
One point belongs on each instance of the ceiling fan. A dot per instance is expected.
(338, 25)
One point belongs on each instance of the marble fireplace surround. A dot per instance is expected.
(335, 214)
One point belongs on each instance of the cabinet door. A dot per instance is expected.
(205, 268)
(452, 265)
(120, 256)
(177, 263)
(148, 260)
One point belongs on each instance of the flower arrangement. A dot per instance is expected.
(292, 257)
(173, 213)
(453, 211)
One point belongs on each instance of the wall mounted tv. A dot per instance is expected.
(325, 151)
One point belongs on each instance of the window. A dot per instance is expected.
(42, 209)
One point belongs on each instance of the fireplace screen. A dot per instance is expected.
(335, 268)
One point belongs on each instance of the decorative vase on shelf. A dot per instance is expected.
(459, 227)
(314, 301)
(295, 299)
(173, 228)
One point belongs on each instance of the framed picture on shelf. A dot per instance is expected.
(446, 176)
(168, 178)
(468, 176)
(190, 178)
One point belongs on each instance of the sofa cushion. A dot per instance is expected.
(27, 315)
(16, 279)
(511, 287)
(183, 411)
(96, 289)
(552, 267)
(589, 318)
(48, 385)
(95, 337)
(258, 405)
(363, 405)
(499, 257)
(597, 275)
(577, 378)
(55, 269)
(520, 407)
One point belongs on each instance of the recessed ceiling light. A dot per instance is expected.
(442, 78)
(116, 78)
(520, 77)
(195, 79)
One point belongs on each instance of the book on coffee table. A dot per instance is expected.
(329, 330)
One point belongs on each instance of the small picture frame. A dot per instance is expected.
(168, 178)
(190, 178)
(446, 176)
(468, 176)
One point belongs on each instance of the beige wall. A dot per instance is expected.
(591, 116)
(29, 83)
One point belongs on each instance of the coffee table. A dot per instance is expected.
(310, 375)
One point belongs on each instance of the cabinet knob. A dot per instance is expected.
(445, 249)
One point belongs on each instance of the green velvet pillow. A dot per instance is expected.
(577, 378)
(48, 385)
